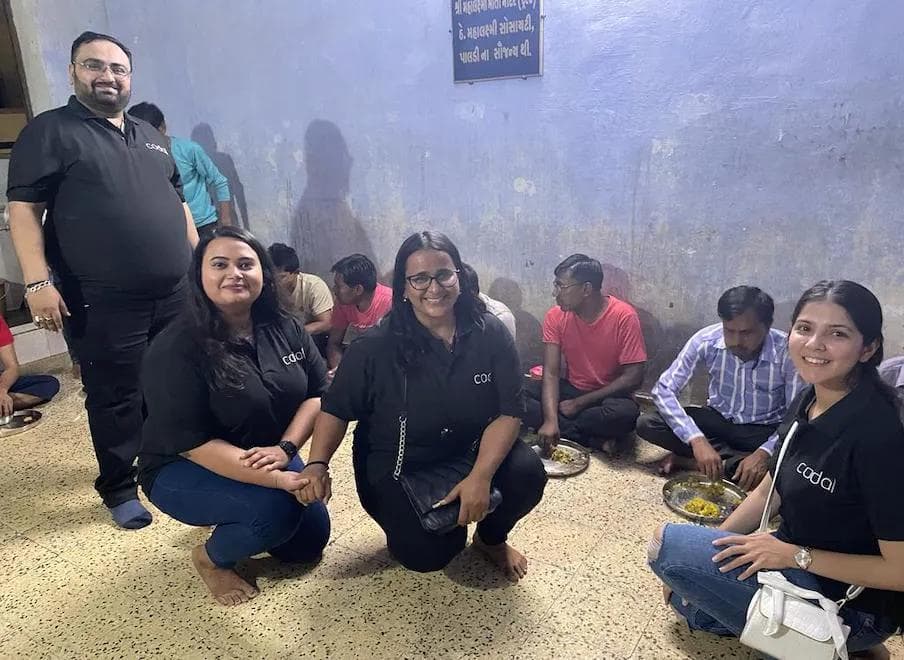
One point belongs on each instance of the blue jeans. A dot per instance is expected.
(249, 519)
(717, 602)
(39, 386)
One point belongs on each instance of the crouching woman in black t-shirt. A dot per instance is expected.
(839, 489)
(232, 391)
(437, 376)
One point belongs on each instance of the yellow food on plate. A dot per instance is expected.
(559, 455)
(700, 507)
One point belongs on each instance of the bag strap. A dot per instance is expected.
(853, 590)
(767, 511)
(403, 426)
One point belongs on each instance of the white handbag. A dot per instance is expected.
(782, 619)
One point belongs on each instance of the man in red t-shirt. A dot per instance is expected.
(599, 339)
(360, 304)
(20, 392)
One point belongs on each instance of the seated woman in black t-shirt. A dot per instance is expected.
(442, 373)
(839, 489)
(232, 391)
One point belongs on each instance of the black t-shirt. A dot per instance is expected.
(114, 200)
(452, 395)
(184, 411)
(840, 484)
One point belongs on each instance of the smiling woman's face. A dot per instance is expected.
(231, 274)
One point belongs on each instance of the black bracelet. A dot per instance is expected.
(323, 463)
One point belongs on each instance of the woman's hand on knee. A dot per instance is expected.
(762, 551)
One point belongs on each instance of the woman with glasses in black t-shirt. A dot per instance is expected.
(839, 489)
(232, 391)
(437, 376)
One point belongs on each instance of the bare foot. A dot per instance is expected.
(878, 652)
(673, 462)
(225, 585)
(512, 562)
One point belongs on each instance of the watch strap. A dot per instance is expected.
(290, 449)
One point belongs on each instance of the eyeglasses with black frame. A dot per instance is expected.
(561, 287)
(99, 66)
(444, 277)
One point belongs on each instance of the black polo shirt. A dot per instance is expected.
(452, 395)
(184, 411)
(840, 484)
(114, 199)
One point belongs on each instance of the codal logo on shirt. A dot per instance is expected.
(826, 483)
(291, 358)
(156, 147)
(480, 379)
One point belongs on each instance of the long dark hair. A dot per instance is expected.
(226, 366)
(866, 312)
(403, 324)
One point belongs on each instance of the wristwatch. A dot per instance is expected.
(290, 449)
(803, 558)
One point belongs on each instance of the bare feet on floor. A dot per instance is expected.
(509, 560)
(225, 585)
(672, 462)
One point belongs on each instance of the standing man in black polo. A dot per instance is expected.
(117, 237)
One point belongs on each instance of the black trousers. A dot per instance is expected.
(110, 331)
(734, 442)
(520, 478)
(612, 417)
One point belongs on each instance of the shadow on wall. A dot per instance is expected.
(528, 330)
(324, 229)
(203, 135)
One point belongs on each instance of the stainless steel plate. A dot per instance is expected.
(579, 457)
(22, 421)
(677, 492)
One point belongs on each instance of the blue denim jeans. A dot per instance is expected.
(717, 602)
(249, 519)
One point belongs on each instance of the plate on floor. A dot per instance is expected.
(568, 458)
(22, 421)
(701, 500)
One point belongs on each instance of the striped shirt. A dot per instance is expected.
(753, 392)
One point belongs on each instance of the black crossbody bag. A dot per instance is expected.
(427, 486)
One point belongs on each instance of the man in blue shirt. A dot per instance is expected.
(198, 174)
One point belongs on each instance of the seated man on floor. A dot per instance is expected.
(20, 392)
(498, 309)
(892, 372)
(309, 296)
(360, 304)
(751, 382)
(599, 338)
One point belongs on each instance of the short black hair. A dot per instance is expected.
(470, 279)
(88, 36)
(583, 269)
(284, 258)
(149, 112)
(739, 299)
(357, 269)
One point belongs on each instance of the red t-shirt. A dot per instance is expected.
(594, 352)
(348, 316)
(6, 337)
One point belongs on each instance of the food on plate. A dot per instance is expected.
(559, 455)
(701, 507)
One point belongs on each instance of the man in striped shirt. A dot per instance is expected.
(751, 383)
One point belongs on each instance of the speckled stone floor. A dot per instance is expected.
(73, 586)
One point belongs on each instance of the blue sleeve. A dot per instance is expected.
(209, 172)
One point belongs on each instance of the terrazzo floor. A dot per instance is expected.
(73, 586)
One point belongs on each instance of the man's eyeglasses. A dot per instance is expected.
(445, 278)
(561, 287)
(98, 67)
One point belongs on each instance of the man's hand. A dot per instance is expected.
(570, 407)
(549, 436)
(268, 458)
(318, 487)
(6, 404)
(708, 460)
(290, 482)
(752, 469)
(47, 308)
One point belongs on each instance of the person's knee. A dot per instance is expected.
(310, 537)
(655, 544)
(526, 478)
(279, 520)
(647, 425)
